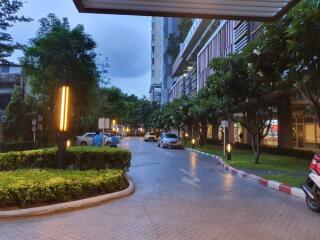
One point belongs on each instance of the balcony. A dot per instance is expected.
(199, 28)
(9, 80)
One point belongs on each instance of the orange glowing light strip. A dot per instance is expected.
(64, 108)
(63, 98)
(65, 127)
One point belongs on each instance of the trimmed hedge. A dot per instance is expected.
(36, 187)
(8, 147)
(81, 158)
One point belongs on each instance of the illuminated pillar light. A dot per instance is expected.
(64, 108)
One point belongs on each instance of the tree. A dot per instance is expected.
(304, 49)
(111, 103)
(184, 28)
(15, 111)
(8, 16)
(173, 45)
(203, 112)
(60, 54)
(240, 89)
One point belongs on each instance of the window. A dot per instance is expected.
(310, 133)
(153, 49)
(4, 100)
(152, 60)
(153, 38)
(4, 69)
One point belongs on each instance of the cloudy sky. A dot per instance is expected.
(125, 40)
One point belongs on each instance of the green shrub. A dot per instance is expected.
(23, 188)
(82, 158)
(7, 147)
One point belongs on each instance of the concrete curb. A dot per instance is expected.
(68, 206)
(297, 192)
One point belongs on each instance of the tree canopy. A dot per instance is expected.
(8, 17)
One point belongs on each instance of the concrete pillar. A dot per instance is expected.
(284, 112)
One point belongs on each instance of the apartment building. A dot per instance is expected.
(11, 75)
(156, 50)
(163, 28)
(209, 39)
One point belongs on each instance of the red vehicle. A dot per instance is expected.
(312, 185)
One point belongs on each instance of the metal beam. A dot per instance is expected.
(259, 10)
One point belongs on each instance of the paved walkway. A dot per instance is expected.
(179, 195)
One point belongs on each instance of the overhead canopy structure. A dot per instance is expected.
(259, 10)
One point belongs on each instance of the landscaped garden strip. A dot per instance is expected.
(37, 187)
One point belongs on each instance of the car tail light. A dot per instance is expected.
(315, 163)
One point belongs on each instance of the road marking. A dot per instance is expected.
(189, 179)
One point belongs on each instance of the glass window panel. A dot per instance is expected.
(309, 132)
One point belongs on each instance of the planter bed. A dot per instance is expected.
(38, 187)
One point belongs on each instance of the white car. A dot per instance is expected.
(86, 139)
(150, 137)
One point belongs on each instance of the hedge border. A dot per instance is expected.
(67, 207)
(82, 158)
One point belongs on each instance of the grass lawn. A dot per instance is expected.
(285, 169)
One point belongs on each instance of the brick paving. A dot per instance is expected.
(220, 206)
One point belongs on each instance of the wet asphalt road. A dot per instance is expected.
(179, 195)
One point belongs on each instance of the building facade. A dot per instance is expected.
(169, 28)
(11, 75)
(156, 51)
(209, 39)
(163, 28)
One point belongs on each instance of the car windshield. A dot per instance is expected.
(170, 135)
(150, 133)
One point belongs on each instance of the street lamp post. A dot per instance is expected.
(186, 138)
(229, 148)
(193, 143)
(64, 110)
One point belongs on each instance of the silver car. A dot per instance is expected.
(169, 140)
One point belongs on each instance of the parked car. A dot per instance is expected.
(150, 137)
(169, 140)
(86, 139)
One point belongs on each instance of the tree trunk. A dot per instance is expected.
(256, 148)
(203, 133)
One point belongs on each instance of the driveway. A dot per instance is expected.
(179, 195)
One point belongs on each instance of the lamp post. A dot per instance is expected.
(64, 112)
(193, 143)
(185, 138)
(229, 149)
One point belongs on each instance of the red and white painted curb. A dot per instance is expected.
(297, 192)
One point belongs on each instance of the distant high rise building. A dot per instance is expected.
(155, 87)
(161, 60)
(169, 29)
